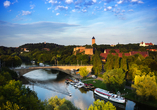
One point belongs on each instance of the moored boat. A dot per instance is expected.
(110, 96)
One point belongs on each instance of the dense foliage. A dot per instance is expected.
(100, 105)
(114, 79)
(13, 95)
(145, 87)
(55, 103)
(83, 71)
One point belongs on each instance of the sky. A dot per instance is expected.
(75, 22)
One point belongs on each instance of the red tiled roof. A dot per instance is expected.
(144, 54)
(108, 50)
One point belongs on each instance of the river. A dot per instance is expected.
(48, 83)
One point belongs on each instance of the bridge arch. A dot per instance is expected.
(65, 69)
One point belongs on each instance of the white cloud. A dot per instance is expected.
(57, 14)
(52, 1)
(116, 5)
(26, 12)
(49, 8)
(15, 1)
(61, 7)
(109, 8)
(68, 1)
(83, 10)
(134, 0)
(140, 2)
(94, 1)
(32, 6)
(120, 2)
(105, 9)
(6, 3)
(105, 3)
(73, 10)
(131, 10)
(123, 10)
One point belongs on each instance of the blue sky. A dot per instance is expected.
(75, 22)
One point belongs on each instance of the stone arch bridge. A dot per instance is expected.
(65, 69)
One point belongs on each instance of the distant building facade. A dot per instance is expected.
(145, 44)
(107, 51)
(84, 50)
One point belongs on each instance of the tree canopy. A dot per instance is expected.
(114, 79)
(100, 105)
(145, 87)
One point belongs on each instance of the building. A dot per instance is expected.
(145, 44)
(107, 51)
(84, 50)
(93, 40)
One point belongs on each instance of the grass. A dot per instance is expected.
(96, 83)
(129, 94)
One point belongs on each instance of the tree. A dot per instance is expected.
(83, 71)
(145, 87)
(124, 63)
(100, 105)
(97, 64)
(114, 79)
(116, 61)
(110, 62)
(55, 103)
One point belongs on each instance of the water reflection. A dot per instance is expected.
(49, 83)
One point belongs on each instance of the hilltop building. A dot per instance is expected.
(84, 50)
(145, 44)
(93, 40)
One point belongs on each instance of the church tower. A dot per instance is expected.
(93, 40)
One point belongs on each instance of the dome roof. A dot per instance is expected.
(93, 37)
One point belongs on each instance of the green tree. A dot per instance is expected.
(145, 87)
(100, 105)
(116, 61)
(110, 62)
(55, 103)
(83, 71)
(114, 79)
(124, 63)
(97, 64)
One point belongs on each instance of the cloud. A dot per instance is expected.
(89, 3)
(109, 7)
(137, 1)
(52, 1)
(123, 11)
(57, 14)
(105, 9)
(120, 2)
(31, 32)
(77, 7)
(32, 6)
(83, 10)
(140, 2)
(49, 8)
(94, 1)
(108, 1)
(73, 10)
(26, 12)
(6, 4)
(15, 1)
(131, 10)
(68, 1)
(61, 7)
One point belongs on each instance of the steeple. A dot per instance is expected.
(93, 40)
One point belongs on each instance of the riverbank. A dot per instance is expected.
(127, 93)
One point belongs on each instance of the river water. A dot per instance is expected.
(48, 83)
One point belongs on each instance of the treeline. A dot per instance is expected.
(142, 72)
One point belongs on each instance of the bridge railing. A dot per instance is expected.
(71, 65)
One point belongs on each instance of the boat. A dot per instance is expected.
(89, 86)
(79, 84)
(110, 96)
